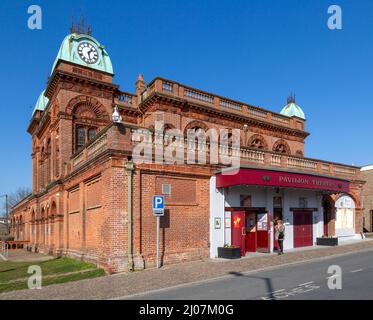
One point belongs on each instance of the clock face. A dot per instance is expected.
(87, 52)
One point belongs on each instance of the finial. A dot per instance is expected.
(80, 27)
(140, 78)
(291, 98)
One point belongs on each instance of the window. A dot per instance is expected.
(80, 137)
(83, 136)
(91, 134)
(166, 189)
(257, 142)
(281, 146)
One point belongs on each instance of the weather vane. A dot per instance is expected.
(80, 27)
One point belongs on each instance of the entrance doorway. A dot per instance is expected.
(250, 229)
(303, 233)
(251, 238)
(239, 230)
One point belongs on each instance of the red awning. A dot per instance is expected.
(273, 178)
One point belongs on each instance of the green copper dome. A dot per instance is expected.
(86, 51)
(293, 110)
(41, 104)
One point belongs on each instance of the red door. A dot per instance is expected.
(239, 230)
(251, 232)
(303, 234)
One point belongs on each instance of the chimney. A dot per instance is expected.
(140, 87)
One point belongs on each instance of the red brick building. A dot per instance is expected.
(91, 201)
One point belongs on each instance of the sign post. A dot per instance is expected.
(158, 212)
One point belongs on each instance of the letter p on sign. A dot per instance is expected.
(158, 205)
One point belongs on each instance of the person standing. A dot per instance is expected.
(280, 236)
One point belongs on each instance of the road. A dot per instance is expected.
(305, 281)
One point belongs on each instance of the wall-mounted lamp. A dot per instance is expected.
(116, 115)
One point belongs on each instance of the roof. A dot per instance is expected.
(41, 103)
(293, 110)
(69, 52)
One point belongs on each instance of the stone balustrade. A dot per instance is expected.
(248, 156)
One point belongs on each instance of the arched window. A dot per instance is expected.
(91, 134)
(281, 147)
(257, 142)
(79, 138)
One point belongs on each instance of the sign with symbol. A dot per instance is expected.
(158, 205)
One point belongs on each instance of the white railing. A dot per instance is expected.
(276, 160)
(278, 118)
(230, 105)
(252, 155)
(344, 170)
(198, 95)
(126, 98)
(260, 157)
(4, 247)
(257, 112)
(302, 163)
(167, 86)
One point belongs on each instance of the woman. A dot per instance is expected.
(280, 235)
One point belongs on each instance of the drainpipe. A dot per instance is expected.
(129, 168)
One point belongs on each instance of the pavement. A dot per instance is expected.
(144, 284)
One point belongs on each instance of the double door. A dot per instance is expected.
(303, 234)
(250, 231)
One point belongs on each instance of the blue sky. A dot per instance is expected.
(255, 51)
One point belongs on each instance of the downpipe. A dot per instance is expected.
(129, 168)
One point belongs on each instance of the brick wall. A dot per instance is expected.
(368, 198)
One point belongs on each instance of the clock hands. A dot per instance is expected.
(92, 50)
(88, 53)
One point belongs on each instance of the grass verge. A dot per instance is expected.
(13, 275)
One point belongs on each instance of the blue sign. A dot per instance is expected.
(158, 205)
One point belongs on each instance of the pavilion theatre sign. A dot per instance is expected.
(281, 179)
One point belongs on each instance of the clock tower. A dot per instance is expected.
(75, 106)
(86, 51)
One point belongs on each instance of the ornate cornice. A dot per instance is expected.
(73, 78)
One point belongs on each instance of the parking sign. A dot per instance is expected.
(158, 205)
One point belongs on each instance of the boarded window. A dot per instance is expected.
(74, 200)
(94, 193)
